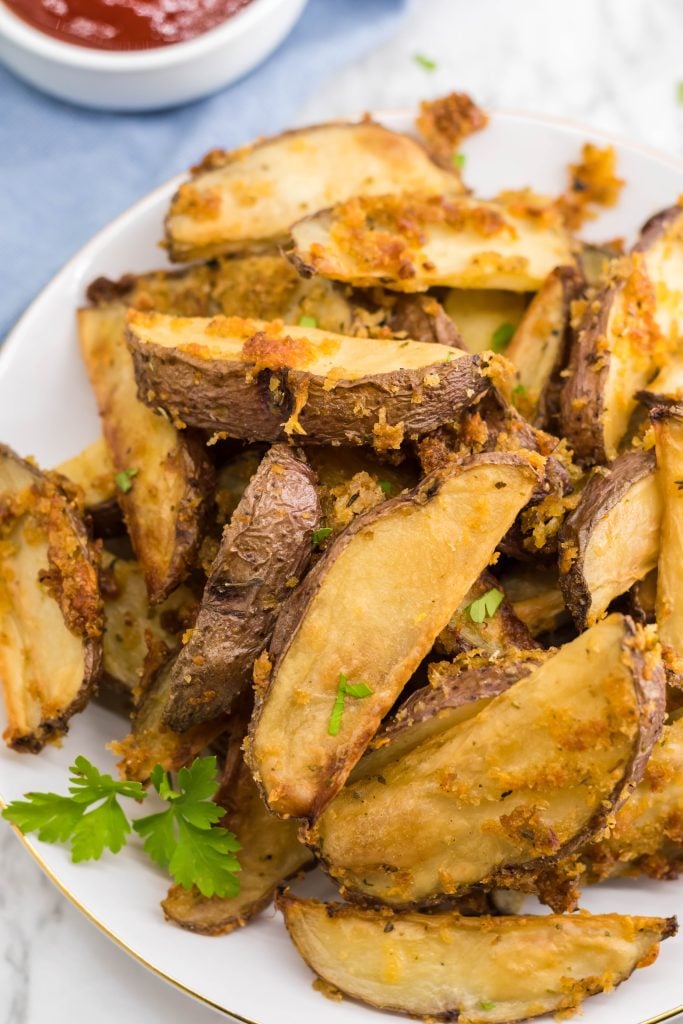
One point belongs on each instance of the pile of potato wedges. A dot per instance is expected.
(387, 512)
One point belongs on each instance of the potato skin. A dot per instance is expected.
(265, 547)
(215, 395)
(601, 494)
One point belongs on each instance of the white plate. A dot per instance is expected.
(46, 409)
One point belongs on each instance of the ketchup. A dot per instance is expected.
(125, 24)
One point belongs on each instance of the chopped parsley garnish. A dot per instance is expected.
(320, 535)
(308, 321)
(459, 160)
(345, 689)
(425, 62)
(184, 838)
(502, 336)
(486, 1004)
(386, 486)
(124, 479)
(485, 606)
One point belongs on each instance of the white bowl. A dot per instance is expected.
(147, 79)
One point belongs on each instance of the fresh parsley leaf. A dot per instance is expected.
(486, 605)
(518, 392)
(425, 62)
(345, 689)
(320, 535)
(386, 486)
(486, 1004)
(459, 160)
(308, 321)
(62, 819)
(124, 479)
(502, 336)
(185, 838)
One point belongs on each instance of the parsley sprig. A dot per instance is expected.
(345, 689)
(124, 479)
(486, 605)
(184, 838)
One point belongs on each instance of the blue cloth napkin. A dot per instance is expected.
(65, 172)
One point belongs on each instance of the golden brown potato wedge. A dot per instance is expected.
(93, 471)
(647, 837)
(536, 598)
(661, 244)
(165, 479)
(512, 790)
(251, 196)
(414, 242)
(264, 552)
(667, 386)
(270, 854)
(668, 427)
(611, 540)
(50, 605)
(479, 313)
(472, 626)
(540, 346)
(615, 352)
(478, 970)
(263, 381)
(360, 615)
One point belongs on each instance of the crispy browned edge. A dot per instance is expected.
(217, 158)
(603, 491)
(285, 900)
(294, 611)
(582, 397)
(92, 641)
(572, 283)
(655, 226)
(650, 687)
(213, 394)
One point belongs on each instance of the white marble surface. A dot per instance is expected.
(612, 63)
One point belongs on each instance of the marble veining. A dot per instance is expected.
(612, 63)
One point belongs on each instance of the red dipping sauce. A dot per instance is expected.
(125, 24)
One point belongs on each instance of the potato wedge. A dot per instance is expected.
(478, 970)
(93, 471)
(414, 242)
(647, 838)
(661, 244)
(150, 742)
(478, 314)
(668, 427)
(611, 540)
(251, 196)
(536, 598)
(615, 352)
(360, 615)
(667, 386)
(167, 477)
(540, 346)
(50, 605)
(474, 628)
(512, 790)
(262, 381)
(271, 853)
(264, 551)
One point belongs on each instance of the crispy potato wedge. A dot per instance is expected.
(661, 244)
(93, 471)
(478, 314)
(414, 242)
(611, 540)
(491, 634)
(271, 853)
(615, 352)
(50, 605)
(667, 386)
(668, 427)
(172, 483)
(647, 838)
(477, 970)
(514, 789)
(262, 381)
(251, 196)
(540, 346)
(130, 621)
(536, 598)
(264, 551)
(358, 613)
(151, 742)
